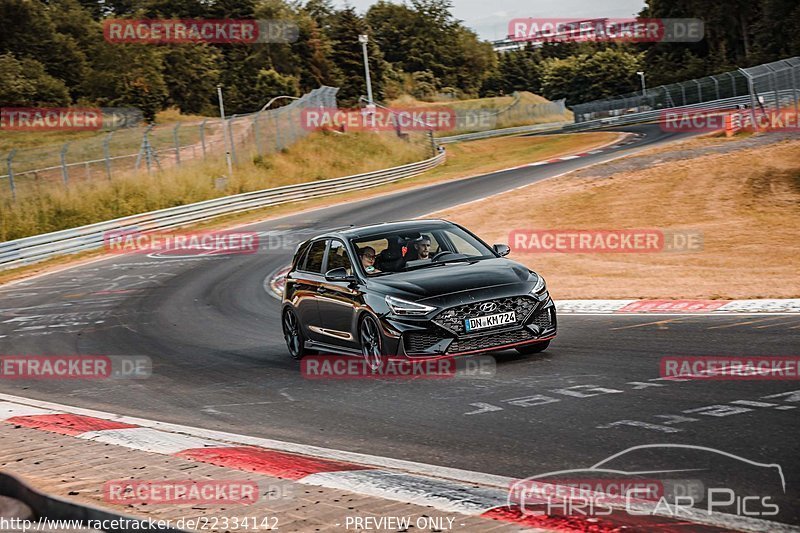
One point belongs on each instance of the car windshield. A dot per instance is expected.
(416, 248)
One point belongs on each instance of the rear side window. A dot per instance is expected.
(315, 256)
(300, 256)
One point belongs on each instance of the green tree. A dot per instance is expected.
(583, 77)
(347, 54)
(191, 74)
(25, 83)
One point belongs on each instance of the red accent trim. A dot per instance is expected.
(614, 522)
(269, 462)
(67, 424)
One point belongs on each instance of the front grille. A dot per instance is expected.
(453, 319)
(543, 320)
(420, 341)
(489, 341)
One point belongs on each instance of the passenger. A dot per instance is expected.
(367, 257)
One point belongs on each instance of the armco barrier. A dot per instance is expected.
(31, 250)
(737, 102)
(502, 132)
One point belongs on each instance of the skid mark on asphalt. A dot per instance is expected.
(780, 324)
(661, 323)
(745, 323)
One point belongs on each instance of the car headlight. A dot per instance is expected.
(540, 287)
(402, 307)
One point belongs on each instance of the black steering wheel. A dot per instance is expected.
(437, 255)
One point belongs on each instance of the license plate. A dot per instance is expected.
(490, 321)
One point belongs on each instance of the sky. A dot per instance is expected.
(489, 18)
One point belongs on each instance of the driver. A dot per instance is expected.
(423, 247)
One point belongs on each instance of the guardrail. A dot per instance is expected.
(502, 132)
(655, 114)
(37, 248)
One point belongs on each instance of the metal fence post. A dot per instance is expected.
(10, 166)
(256, 136)
(148, 150)
(716, 86)
(177, 144)
(107, 154)
(752, 91)
(276, 116)
(64, 170)
(203, 137)
(230, 136)
(699, 92)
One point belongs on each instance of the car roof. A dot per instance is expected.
(386, 227)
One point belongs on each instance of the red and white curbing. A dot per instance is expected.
(458, 491)
(628, 138)
(274, 285)
(680, 307)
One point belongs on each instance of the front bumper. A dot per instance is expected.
(444, 334)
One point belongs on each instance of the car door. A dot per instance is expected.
(303, 285)
(338, 300)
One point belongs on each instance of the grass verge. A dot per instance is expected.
(745, 203)
(318, 156)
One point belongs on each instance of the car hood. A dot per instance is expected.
(455, 277)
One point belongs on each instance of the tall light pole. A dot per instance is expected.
(644, 89)
(364, 39)
(225, 131)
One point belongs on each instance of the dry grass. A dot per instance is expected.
(34, 139)
(316, 157)
(745, 203)
(521, 115)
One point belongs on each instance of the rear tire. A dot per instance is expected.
(533, 348)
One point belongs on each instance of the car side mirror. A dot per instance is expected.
(502, 249)
(339, 274)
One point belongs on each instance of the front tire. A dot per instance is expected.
(530, 349)
(369, 335)
(293, 335)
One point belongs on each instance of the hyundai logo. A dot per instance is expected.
(487, 307)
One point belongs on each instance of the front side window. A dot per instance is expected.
(338, 258)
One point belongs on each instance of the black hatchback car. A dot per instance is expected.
(413, 289)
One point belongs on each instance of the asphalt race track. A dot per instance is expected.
(220, 362)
